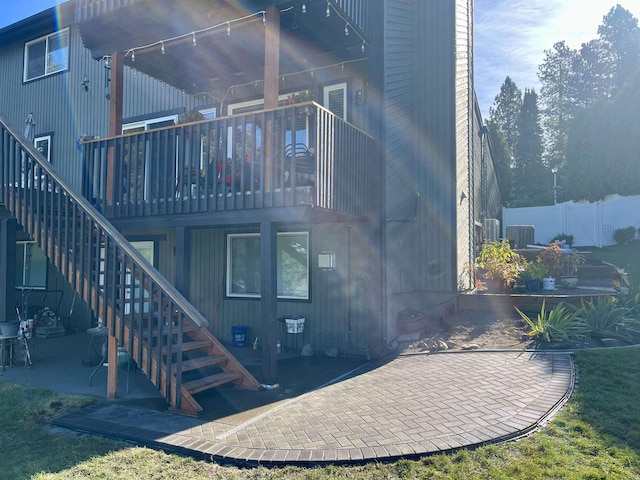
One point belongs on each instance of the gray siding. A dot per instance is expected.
(339, 313)
(465, 143)
(62, 108)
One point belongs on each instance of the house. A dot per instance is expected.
(224, 164)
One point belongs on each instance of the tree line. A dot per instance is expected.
(584, 125)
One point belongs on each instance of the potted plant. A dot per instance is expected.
(551, 257)
(533, 274)
(571, 260)
(499, 265)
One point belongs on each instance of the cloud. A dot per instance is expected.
(511, 36)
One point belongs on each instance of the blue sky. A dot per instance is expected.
(510, 35)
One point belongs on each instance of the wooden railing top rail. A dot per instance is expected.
(230, 117)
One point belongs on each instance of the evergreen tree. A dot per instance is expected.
(603, 152)
(531, 177)
(502, 160)
(558, 97)
(505, 112)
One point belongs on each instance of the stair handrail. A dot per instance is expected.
(172, 293)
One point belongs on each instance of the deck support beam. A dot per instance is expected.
(116, 89)
(268, 300)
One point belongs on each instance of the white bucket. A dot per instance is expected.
(549, 283)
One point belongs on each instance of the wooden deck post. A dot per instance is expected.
(271, 84)
(116, 89)
(268, 302)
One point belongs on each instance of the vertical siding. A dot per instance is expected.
(465, 142)
(435, 145)
(62, 107)
(401, 185)
(339, 313)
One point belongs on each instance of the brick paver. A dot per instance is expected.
(413, 405)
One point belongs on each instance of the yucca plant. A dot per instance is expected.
(603, 316)
(557, 324)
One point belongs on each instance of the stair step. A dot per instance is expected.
(200, 362)
(211, 381)
(186, 328)
(186, 346)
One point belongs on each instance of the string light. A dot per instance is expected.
(132, 51)
(347, 27)
(233, 88)
(304, 8)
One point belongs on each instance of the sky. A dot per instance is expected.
(510, 36)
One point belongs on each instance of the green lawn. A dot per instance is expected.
(597, 436)
(626, 257)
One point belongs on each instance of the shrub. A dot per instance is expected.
(563, 237)
(556, 325)
(498, 262)
(622, 236)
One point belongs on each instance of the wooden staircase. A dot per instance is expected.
(165, 335)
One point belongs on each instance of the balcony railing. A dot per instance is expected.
(294, 155)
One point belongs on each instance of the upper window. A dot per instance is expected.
(243, 265)
(46, 55)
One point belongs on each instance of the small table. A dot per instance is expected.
(7, 341)
(100, 333)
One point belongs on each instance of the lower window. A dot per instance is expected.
(243, 265)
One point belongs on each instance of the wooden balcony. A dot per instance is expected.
(295, 155)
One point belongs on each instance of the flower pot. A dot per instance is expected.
(494, 286)
(534, 285)
(549, 283)
(569, 281)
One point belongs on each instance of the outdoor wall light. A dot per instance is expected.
(327, 260)
(85, 83)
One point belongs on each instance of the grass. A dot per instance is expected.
(626, 257)
(597, 436)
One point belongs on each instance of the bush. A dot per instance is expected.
(498, 262)
(563, 237)
(622, 236)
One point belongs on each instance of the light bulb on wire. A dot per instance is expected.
(328, 12)
(195, 42)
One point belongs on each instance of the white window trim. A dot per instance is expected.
(231, 294)
(147, 123)
(45, 38)
(332, 88)
(46, 138)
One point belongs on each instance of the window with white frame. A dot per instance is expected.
(46, 55)
(43, 145)
(243, 265)
(335, 99)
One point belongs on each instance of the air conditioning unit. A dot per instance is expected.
(491, 229)
(521, 235)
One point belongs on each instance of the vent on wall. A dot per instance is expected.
(491, 229)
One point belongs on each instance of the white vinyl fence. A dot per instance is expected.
(591, 224)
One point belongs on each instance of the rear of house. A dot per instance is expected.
(336, 170)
